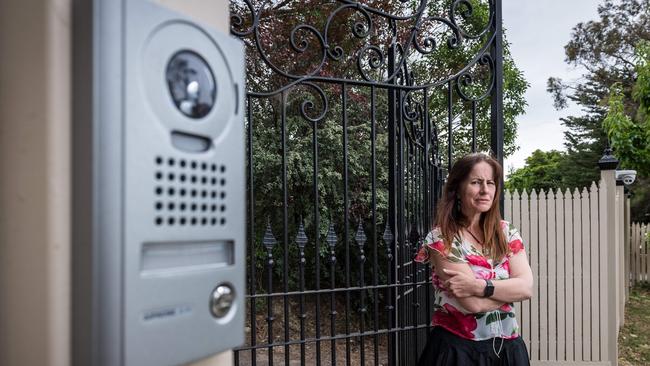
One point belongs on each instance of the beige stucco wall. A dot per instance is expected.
(35, 110)
(35, 181)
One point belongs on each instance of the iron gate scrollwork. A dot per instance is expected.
(355, 111)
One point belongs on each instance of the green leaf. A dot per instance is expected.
(491, 318)
(456, 252)
(494, 316)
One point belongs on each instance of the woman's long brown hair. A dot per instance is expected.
(451, 220)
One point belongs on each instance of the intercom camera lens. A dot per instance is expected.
(191, 84)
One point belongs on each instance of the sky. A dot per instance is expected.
(537, 31)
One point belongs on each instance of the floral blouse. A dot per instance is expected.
(448, 313)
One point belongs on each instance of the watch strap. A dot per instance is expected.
(489, 288)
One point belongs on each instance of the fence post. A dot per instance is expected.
(620, 270)
(642, 253)
(635, 253)
(609, 311)
(627, 244)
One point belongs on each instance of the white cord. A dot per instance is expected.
(499, 326)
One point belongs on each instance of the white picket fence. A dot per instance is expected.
(585, 254)
(639, 259)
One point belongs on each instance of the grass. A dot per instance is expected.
(634, 338)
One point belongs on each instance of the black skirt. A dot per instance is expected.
(447, 349)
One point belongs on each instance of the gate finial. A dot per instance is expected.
(269, 240)
(301, 237)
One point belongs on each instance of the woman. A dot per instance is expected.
(479, 269)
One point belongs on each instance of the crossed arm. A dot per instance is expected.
(468, 290)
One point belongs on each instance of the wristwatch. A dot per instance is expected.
(489, 289)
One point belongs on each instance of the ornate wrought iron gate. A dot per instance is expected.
(355, 111)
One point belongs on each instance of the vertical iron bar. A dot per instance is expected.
(332, 303)
(496, 115)
(416, 214)
(285, 221)
(436, 182)
(373, 173)
(301, 241)
(302, 305)
(400, 241)
(406, 248)
(473, 126)
(403, 187)
(251, 232)
(316, 238)
(346, 219)
(425, 148)
(424, 229)
(404, 311)
(363, 308)
(420, 203)
(450, 117)
(414, 210)
(427, 200)
(392, 357)
(428, 207)
(269, 306)
(414, 274)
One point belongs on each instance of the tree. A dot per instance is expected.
(629, 135)
(607, 49)
(543, 171)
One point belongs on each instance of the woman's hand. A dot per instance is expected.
(447, 271)
(461, 284)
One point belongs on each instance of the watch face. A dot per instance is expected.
(489, 289)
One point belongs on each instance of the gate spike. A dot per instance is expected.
(388, 239)
(360, 237)
(331, 236)
(269, 240)
(388, 235)
(301, 238)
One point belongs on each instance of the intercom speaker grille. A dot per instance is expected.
(189, 192)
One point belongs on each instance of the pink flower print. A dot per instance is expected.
(422, 255)
(515, 246)
(439, 284)
(484, 274)
(506, 308)
(435, 280)
(455, 321)
(439, 245)
(506, 266)
(477, 260)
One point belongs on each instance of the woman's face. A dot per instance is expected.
(478, 189)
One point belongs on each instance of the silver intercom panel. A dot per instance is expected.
(159, 187)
